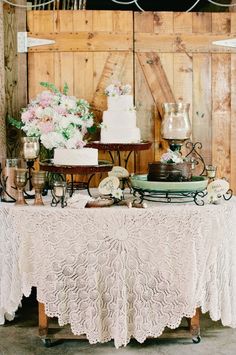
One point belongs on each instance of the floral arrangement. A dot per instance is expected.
(117, 89)
(171, 157)
(59, 120)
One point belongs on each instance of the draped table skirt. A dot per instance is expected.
(117, 273)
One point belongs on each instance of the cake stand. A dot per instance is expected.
(119, 147)
(102, 167)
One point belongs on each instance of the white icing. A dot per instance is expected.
(83, 156)
(114, 135)
(119, 121)
(119, 103)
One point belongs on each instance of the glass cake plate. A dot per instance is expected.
(196, 184)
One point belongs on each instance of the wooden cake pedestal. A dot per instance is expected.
(117, 148)
(91, 170)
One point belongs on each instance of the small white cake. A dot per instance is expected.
(83, 156)
(119, 121)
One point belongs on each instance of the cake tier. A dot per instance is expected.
(158, 171)
(83, 156)
(121, 135)
(118, 103)
(119, 119)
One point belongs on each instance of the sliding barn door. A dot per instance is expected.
(165, 56)
(91, 49)
(176, 60)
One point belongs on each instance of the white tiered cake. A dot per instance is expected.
(119, 121)
(83, 156)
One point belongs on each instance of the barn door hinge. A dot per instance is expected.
(24, 42)
(226, 43)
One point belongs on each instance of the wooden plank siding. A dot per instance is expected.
(93, 48)
(221, 100)
(2, 90)
(165, 56)
(198, 72)
(15, 65)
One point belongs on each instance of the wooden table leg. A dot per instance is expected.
(43, 321)
(43, 326)
(194, 326)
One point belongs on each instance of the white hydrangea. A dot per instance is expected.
(75, 141)
(52, 140)
(68, 102)
(32, 130)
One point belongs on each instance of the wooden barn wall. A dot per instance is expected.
(194, 71)
(165, 56)
(92, 48)
(2, 90)
(15, 72)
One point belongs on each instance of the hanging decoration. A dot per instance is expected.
(82, 4)
(124, 2)
(28, 5)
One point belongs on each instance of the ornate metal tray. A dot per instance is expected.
(198, 183)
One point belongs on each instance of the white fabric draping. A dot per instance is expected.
(113, 273)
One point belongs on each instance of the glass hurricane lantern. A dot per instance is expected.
(31, 149)
(176, 126)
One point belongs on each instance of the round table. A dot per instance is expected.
(102, 167)
(118, 147)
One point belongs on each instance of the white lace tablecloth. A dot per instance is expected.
(113, 273)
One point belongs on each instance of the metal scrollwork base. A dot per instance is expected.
(56, 200)
(228, 195)
(195, 155)
(170, 197)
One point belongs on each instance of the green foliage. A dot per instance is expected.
(50, 86)
(65, 89)
(92, 129)
(53, 88)
(45, 153)
(14, 122)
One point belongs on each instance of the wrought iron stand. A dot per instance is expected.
(170, 197)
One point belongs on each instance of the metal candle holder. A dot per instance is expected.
(8, 189)
(20, 182)
(211, 171)
(30, 152)
(38, 182)
(59, 190)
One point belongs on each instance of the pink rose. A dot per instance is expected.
(46, 127)
(26, 116)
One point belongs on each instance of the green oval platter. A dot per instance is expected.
(197, 183)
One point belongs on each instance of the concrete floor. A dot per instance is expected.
(20, 337)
